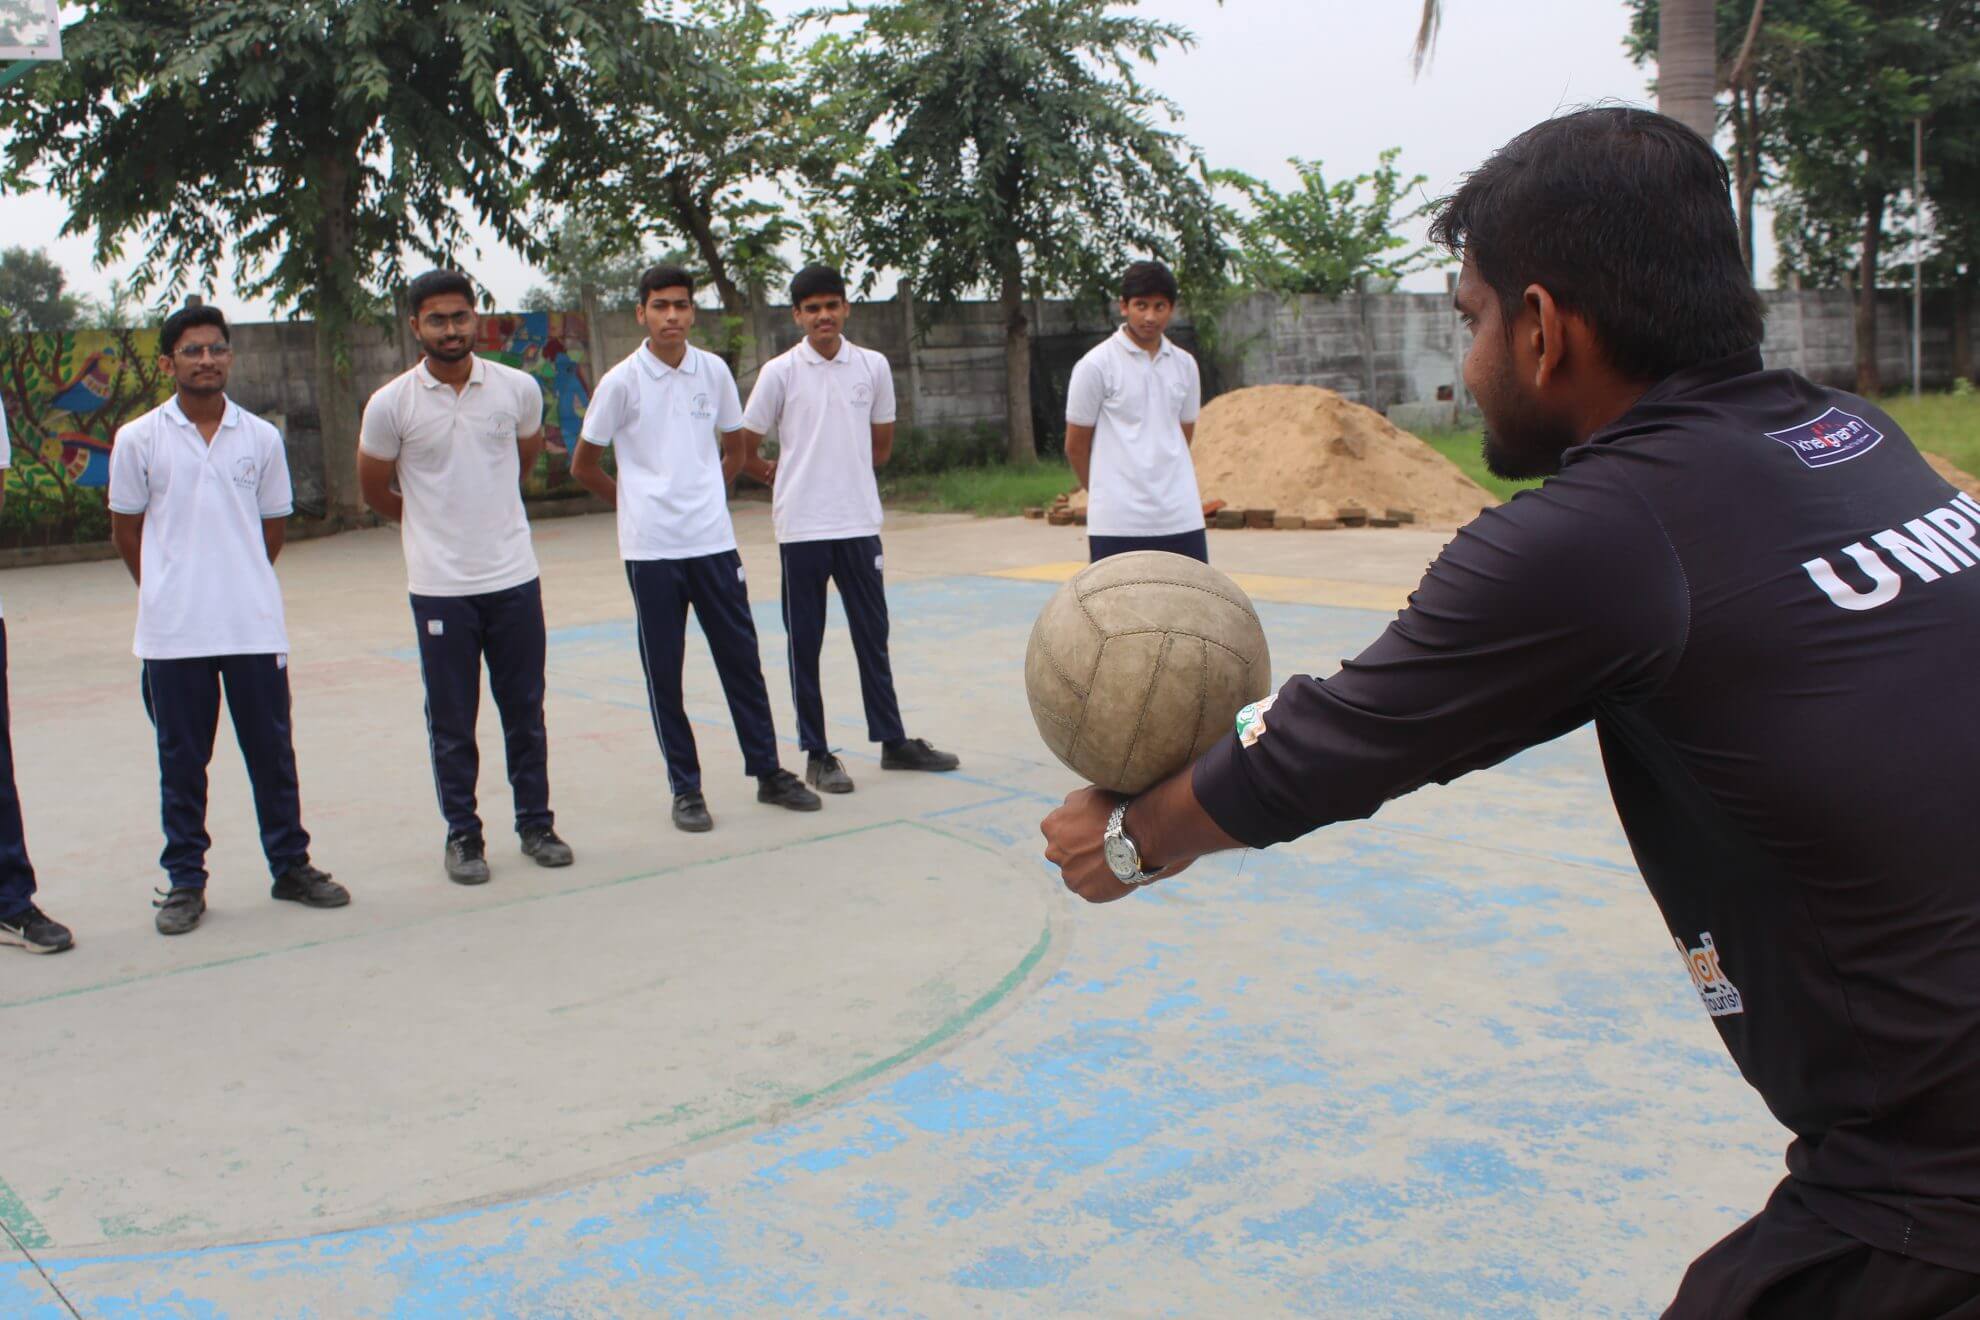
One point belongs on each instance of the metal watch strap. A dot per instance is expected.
(1117, 824)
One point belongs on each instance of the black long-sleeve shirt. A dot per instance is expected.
(1770, 607)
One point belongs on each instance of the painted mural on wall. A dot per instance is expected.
(66, 395)
(551, 347)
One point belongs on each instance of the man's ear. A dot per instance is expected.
(1545, 329)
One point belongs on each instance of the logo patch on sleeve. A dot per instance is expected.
(1834, 437)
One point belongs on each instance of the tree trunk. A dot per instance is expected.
(1021, 445)
(1962, 324)
(1746, 167)
(1869, 382)
(336, 382)
(695, 217)
(1687, 64)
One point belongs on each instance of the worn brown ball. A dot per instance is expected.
(1139, 663)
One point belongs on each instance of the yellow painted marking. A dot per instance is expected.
(1259, 586)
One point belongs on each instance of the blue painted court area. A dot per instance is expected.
(1445, 1062)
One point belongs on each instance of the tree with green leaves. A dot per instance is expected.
(1326, 238)
(315, 144)
(585, 266)
(700, 116)
(33, 293)
(1021, 152)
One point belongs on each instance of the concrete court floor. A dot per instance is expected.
(868, 1062)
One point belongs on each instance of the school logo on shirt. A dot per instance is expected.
(1834, 437)
(700, 408)
(1251, 720)
(1721, 996)
(862, 394)
(244, 473)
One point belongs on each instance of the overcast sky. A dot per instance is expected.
(1268, 79)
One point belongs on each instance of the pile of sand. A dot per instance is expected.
(1959, 477)
(1307, 451)
(1303, 450)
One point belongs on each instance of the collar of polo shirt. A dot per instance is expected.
(650, 362)
(476, 373)
(810, 354)
(1128, 345)
(228, 416)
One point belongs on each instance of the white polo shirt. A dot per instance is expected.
(665, 425)
(1141, 481)
(824, 411)
(6, 450)
(464, 529)
(205, 584)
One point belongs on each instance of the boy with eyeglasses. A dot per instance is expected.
(199, 491)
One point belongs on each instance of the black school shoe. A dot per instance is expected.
(542, 846)
(691, 813)
(916, 754)
(34, 931)
(303, 883)
(467, 859)
(180, 910)
(784, 789)
(823, 772)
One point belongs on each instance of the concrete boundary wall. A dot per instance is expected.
(1387, 349)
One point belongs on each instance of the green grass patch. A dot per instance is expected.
(997, 491)
(1947, 424)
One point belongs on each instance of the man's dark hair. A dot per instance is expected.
(813, 281)
(1149, 279)
(1624, 217)
(664, 276)
(185, 319)
(435, 284)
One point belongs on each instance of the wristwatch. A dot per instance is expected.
(1123, 858)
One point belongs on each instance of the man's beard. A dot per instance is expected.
(439, 354)
(1521, 441)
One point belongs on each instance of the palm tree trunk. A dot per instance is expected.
(1021, 445)
(1687, 64)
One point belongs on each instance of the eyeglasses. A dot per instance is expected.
(458, 321)
(217, 352)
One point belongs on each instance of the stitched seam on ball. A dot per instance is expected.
(1165, 582)
(1148, 697)
(1202, 699)
(1060, 670)
(1177, 632)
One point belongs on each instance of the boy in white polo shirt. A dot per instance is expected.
(456, 434)
(832, 405)
(1130, 416)
(22, 924)
(671, 415)
(199, 490)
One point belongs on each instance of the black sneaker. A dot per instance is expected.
(180, 910)
(467, 859)
(303, 883)
(691, 813)
(32, 930)
(544, 847)
(781, 788)
(916, 754)
(824, 773)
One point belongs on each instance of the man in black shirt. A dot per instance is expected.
(1766, 601)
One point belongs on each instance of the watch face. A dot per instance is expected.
(1122, 859)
